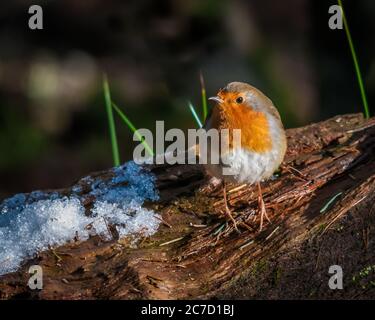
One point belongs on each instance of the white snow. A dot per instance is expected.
(33, 223)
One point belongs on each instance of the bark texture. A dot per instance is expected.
(322, 211)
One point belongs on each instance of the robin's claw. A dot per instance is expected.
(227, 210)
(262, 208)
(229, 214)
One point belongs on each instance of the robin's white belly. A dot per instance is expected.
(242, 166)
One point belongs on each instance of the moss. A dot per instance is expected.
(259, 267)
(313, 292)
(339, 228)
(362, 278)
(278, 272)
(319, 229)
(201, 205)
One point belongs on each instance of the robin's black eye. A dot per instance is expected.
(239, 100)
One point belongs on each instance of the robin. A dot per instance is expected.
(263, 141)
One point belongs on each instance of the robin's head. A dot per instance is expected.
(237, 94)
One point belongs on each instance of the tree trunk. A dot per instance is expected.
(321, 208)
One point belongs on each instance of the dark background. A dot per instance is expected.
(53, 125)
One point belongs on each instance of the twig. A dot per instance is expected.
(246, 244)
(169, 242)
(298, 174)
(165, 222)
(344, 210)
(237, 188)
(372, 124)
(272, 233)
(198, 225)
(56, 255)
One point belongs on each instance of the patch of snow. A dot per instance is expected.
(33, 223)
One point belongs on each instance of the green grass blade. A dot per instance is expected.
(111, 122)
(204, 99)
(195, 115)
(327, 205)
(133, 129)
(356, 64)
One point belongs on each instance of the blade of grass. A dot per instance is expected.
(355, 61)
(195, 115)
(111, 122)
(133, 128)
(204, 99)
(326, 206)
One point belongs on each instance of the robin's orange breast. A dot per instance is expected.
(254, 126)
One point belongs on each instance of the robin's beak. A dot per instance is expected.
(216, 99)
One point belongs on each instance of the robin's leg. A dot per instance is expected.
(262, 207)
(227, 210)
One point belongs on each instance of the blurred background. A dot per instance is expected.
(53, 125)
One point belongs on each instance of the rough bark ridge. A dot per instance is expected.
(322, 211)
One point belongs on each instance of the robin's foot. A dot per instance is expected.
(262, 208)
(227, 210)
